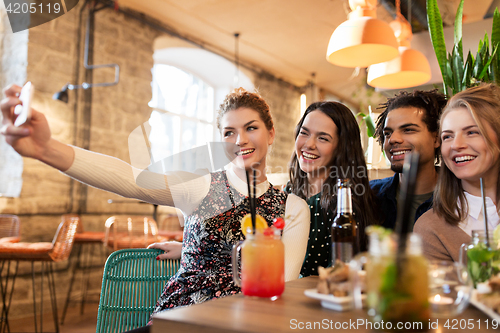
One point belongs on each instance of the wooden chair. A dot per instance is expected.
(126, 232)
(86, 243)
(132, 282)
(46, 253)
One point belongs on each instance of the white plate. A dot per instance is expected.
(489, 311)
(331, 302)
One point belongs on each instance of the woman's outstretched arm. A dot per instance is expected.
(34, 140)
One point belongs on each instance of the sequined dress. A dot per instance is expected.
(209, 235)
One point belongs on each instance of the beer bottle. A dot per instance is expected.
(345, 233)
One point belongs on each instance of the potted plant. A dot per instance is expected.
(457, 73)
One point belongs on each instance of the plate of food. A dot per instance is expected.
(487, 298)
(334, 288)
(331, 302)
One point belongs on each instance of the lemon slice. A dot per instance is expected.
(246, 223)
(496, 237)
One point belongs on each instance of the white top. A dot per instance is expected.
(185, 191)
(475, 220)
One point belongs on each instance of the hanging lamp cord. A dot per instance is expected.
(236, 59)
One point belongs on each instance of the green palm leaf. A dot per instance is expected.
(437, 37)
(495, 41)
(370, 124)
(469, 64)
(457, 74)
(458, 28)
(484, 72)
(495, 30)
(458, 67)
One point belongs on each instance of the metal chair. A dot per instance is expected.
(132, 282)
(169, 228)
(9, 233)
(9, 228)
(125, 232)
(46, 253)
(86, 242)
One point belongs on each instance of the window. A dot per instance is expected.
(184, 111)
(188, 86)
(16, 50)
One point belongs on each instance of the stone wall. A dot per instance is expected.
(284, 102)
(53, 61)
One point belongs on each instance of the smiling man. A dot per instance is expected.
(409, 123)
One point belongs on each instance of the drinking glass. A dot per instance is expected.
(450, 288)
(393, 297)
(482, 261)
(262, 265)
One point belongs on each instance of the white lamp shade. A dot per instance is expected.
(411, 68)
(361, 42)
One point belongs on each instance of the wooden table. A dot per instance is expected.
(292, 312)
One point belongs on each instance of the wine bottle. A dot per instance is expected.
(345, 233)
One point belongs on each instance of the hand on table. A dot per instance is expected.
(172, 250)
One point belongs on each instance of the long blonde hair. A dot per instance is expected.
(483, 102)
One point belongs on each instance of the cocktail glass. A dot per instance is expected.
(482, 261)
(392, 297)
(262, 265)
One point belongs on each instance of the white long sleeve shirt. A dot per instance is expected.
(185, 191)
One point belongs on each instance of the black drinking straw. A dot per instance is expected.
(250, 202)
(483, 196)
(254, 203)
(404, 220)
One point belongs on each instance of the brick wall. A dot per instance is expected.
(284, 102)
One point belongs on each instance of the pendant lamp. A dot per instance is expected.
(362, 40)
(411, 68)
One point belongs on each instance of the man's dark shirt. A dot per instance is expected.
(386, 191)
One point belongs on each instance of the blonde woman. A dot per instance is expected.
(469, 133)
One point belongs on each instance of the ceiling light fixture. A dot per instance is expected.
(363, 39)
(410, 69)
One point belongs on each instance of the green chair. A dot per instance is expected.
(132, 282)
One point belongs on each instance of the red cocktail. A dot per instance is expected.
(262, 265)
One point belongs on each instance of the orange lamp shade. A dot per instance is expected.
(411, 68)
(361, 42)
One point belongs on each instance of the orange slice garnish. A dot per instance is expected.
(246, 223)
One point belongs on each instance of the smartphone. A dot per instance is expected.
(24, 111)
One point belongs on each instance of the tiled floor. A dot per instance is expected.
(73, 323)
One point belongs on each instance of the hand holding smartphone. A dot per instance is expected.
(24, 111)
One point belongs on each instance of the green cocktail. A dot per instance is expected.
(397, 292)
(483, 261)
(393, 298)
